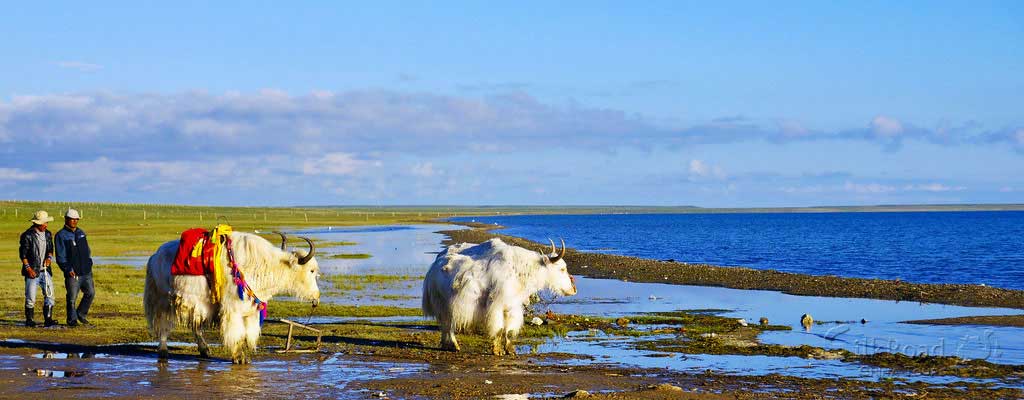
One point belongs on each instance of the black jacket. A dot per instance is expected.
(73, 252)
(27, 250)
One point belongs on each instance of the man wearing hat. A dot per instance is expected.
(74, 258)
(36, 253)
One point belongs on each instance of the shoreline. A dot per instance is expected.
(635, 269)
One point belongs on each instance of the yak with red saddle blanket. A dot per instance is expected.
(222, 277)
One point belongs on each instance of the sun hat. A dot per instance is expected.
(41, 217)
(72, 213)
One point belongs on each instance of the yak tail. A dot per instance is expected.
(428, 303)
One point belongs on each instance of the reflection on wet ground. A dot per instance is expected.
(310, 375)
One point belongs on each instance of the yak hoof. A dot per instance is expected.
(450, 347)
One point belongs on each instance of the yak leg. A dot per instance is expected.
(513, 321)
(496, 329)
(233, 331)
(252, 333)
(162, 350)
(204, 349)
(447, 328)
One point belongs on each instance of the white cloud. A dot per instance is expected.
(8, 175)
(933, 187)
(793, 129)
(886, 127)
(337, 164)
(200, 128)
(868, 188)
(425, 170)
(79, 65)
(271, 121)
(700, 169)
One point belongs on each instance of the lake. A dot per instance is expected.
(926, 247)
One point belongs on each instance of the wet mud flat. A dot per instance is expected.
(377, 359)
(635, 269)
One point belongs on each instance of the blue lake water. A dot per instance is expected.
(927, 247)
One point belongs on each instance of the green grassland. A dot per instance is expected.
(137, 230)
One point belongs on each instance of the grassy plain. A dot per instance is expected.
(137, 230)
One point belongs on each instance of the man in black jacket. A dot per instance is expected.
(36, 253)
(75, 259)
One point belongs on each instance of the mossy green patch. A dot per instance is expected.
(348, 283)
(348, 256)
(326, 243)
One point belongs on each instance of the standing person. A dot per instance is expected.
(36, 253)
(74, 258)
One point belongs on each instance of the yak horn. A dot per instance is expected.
(284, 239)
(554, 250)
(309, 256)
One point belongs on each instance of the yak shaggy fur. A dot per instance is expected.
(484, 287)
(185, 299)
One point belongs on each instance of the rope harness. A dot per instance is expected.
(239, 279)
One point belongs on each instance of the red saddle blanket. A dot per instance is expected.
(187, 263)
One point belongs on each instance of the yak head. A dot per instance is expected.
(305, 271)
(557, 276)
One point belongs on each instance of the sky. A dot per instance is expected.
(738, 104)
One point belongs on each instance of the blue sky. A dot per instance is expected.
(660, 103)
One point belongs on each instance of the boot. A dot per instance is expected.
(29, 314)
(48, 316)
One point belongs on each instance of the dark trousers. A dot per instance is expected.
(73, 285)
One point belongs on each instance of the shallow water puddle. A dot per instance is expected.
(607, 349)
(55, 355)
(52, 373)
(395, 250)
(882, 332)
(130, 375)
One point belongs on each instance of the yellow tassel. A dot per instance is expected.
(219, 259)
(197, 250)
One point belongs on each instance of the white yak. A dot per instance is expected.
(185, 299)
(483, 287)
